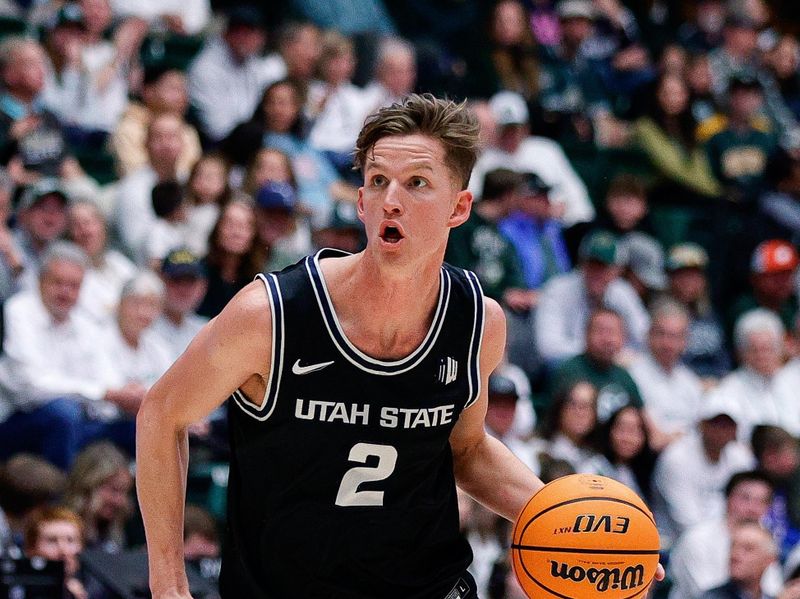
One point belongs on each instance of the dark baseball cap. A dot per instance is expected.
(274, 195)
(502, 387)
(245, 15)
(532, 184)
(601, 246)
(183, 263)
(41, 189)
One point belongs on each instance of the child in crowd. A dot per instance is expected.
(207, 190)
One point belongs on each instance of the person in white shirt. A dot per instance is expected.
(567, 300)
(108, 269)
(699, 559)
(58, 388)
(500, 414)
(670, 390)
(228, 77)
(691, 473)
(136, 351)
(182, 17)
(753, 390)
(185, 285)
(517, 150)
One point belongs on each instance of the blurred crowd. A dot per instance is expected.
(637, 215)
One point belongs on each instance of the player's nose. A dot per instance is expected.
(391, 199)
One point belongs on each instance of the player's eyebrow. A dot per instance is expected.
(414, 165)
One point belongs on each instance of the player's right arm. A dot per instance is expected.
(229, 351)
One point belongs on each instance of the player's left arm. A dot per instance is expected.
(484, 467)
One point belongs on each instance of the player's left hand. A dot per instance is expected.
(660, 573)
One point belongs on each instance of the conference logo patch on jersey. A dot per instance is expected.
(301, 370)
(448, 370)
(460, 591)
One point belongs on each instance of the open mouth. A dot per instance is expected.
(391, 234)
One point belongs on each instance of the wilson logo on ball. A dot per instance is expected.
(603, 579)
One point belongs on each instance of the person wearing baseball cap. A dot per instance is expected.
(773, 266)
(285, 235)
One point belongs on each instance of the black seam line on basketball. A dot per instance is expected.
(591, 551)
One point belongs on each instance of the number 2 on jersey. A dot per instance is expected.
(348, 494)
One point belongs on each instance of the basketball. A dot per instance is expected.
(585, 536)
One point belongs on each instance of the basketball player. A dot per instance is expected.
(358, 388)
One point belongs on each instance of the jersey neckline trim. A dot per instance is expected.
(345, 346)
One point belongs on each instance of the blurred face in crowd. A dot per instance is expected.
(627, 436)
(674, 60)
(64, 36)
(687, 285)
(781, 462)
(626, 210)
(511, 136)
(699, 75)
(717, 433)
(763, 353)
(209, 180)
(752, 551)
(110, 501)
(46, 219)
(500, 413)
(60, 286)
(59, 540)
(579, 414)
(273, 225)
(196, 547)
(488, 132)
(605, 337)
(510, 23)
(237, 228)
(785, 57)
(270, 165)
(136, 313)
(398, 72)
(96, 16)
(165, 141)
(745, 103)
(167, 94)
(302, 51)
(534, 204)
(24, 74)
(667, 339)
(597, 276)
(340, 66)
(183, 294)
(710, 16)
(87, 228)
(775, 286)
(576, 30)
(741, 42)
(748, 502)
(281, 108)
(245, 41)
(672, 95)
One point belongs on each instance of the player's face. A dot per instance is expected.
(410, 198)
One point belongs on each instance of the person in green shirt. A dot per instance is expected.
(605, 339)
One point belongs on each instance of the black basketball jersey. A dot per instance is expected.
(342, 480)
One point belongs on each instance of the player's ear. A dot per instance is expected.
(461, 209)
(360, 204)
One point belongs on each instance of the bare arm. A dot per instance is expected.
(484, 467)
(225, 354)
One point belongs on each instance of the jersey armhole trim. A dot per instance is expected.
(269, 401)
(476, 340)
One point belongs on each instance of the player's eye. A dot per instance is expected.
(418, 182)
(379, 181)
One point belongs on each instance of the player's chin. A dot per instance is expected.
(392, 245)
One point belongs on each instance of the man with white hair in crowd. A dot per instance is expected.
(59, 389)
(395, 74)
(752, 390)
(670, 390)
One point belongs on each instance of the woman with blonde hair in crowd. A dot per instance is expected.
(98, 489)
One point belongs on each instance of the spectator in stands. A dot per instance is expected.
(336, 106)
(207, 190)
(784, 63)
(395, 74)
(513, 51)
(232, 62)
(773, 267)
(752, 390)
(300, 46)
(234, 256)
(779, 205)
(479, 246)
(180, 17)
(108, 269)
(138, 354)
(342, 232)
(62, 389)
(788, 379)
(164, 91)
(281, 230)
(11, 256)
(518, 150)
(98, 489)
(56, 534)
(704, 32)
(503, 398)
(752, 552)
(699, 558)
(778, 457)
(41, 219)
(702, 102)
(625, 208)
(645, 269)
(567, 300)
(623, 450)
(671, 392)
(185, 285)
(268, 164)
(200, 535)
(31, 138)
(171, 227)
(705, 353)
(90, 92)
(569, 424)
(133, 213)
(691, 473)
(27, 482)
(605, 339)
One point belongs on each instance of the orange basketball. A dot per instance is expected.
(583, 537)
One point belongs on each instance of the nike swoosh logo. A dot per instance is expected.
(301, 370)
